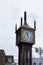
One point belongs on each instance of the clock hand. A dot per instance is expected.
(27, 35)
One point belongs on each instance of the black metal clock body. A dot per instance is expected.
(25, 35)
(25, 38)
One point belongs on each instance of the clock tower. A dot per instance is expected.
(25, 38)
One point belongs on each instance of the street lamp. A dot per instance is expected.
(40, 51)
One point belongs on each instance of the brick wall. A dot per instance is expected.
(2, 57)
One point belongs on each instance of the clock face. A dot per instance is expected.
(27, 36)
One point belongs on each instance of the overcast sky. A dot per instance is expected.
(10, 13)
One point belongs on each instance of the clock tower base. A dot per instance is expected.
(25, 54)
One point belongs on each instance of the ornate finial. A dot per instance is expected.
(21, 21)
(15, 28)
(34, 24)
(25, 17)
(25, 22)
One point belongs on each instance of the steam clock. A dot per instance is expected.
(25, 38)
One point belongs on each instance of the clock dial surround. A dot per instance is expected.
(27, 36)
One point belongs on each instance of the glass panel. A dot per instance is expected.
(9, 60)
(26, 57)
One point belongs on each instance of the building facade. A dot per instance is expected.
(6, 59)
(2, 57)
(37, 61)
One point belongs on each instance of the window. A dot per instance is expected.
(34, 63)
(26, 56)
(9, 60)
(0, 58)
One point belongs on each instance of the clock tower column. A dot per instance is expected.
(25, 38)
